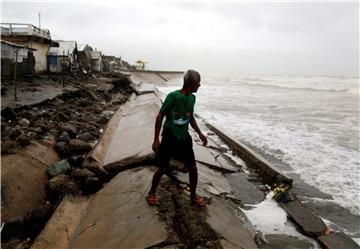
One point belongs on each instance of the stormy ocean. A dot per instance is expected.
(308, 125)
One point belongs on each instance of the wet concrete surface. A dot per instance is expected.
(243, 190)
(32, 93)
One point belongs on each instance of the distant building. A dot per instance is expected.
(14, 53)
(84, 56)
(32, 37)
(64, 57)
(140, 64)
(96, 61)
(111, 63)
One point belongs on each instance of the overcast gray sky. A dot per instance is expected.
(236, 37)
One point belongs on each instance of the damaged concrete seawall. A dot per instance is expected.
(118, 216)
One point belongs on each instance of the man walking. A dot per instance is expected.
(176, 141)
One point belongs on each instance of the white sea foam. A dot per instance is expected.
(269, 218)
(357, 240)
(322, 83)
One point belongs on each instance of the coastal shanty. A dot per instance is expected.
(63, 58)
(30, 36)
(22, 56)
(96, 61)
(84, 56)
(111, 63)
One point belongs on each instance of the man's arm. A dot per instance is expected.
(195, 126)
(158, 123)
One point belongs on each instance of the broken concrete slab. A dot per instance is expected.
(212, 158)
(234, 229)
(215, 182)
(62, 225)
(95, 159)
(23, 179)
(155, 77)
(131, 141)
(171, 75)
(144, 88)
(285, 242)
(209, 180)
(118, 216)
(225, 164)
(204, 155)
(269, 172)
(244, 190)
(311, 225)
(337, 240)
(214, 141)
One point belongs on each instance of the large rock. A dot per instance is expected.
(76, 161)
(9, 114)
(61, 185)
(86, 136)
(61, 148)
(60, 167)
(78, 147)
(24, 122)
(64, 137)
(35, 221)
(13, 228)
(70, 129)
(23, 140)
(82, 174)
(43, 124)
(91, 185)
(14, 133)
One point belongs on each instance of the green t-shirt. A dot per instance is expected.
(178, 110)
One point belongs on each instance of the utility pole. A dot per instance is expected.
(39, 20)
(15, 88)
(62, 69)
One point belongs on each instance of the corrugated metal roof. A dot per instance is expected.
(65, 48)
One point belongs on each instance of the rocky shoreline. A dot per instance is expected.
(97, 181)
(65, 127)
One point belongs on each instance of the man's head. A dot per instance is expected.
(192, 80)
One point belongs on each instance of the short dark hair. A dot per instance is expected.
(190, 76)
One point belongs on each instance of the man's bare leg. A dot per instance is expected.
(156, 180)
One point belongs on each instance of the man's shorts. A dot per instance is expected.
(180, 150)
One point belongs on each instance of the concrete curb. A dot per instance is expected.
(270, 173)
